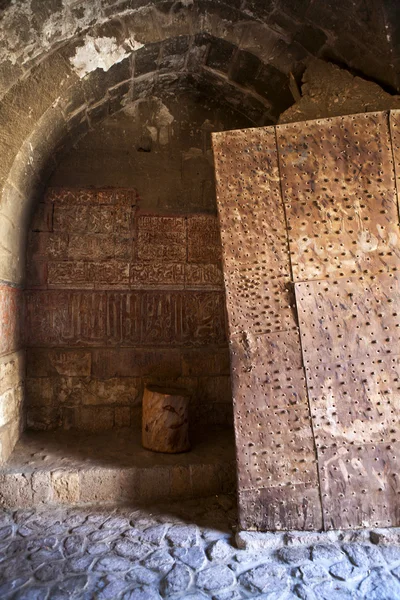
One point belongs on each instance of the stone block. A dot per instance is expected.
(205, 363)
(123, 219)
(161, 239)
(92, 219)
(87, 275)
(254, 541)
(92, 196)
(12, 370)
(215, 389)
(273, 85)
(15, 489)
(311, 38)
(98, 82)
(107, 485)
(42, 492)
(219, 414)
(66, 318)
(173, 53)
(68, 274)
(76, 391)
(180, 486)
(203, 319)
(39, 391)
(98, 112)
(47, 245)
(9, 435)
(220, 54)
(153, 484)
(144, 275)
(11, 266)
(205, 480)
(124, 390)
(134, 362)
(10, 405)
(197, 181)
(66, 486)
(204, 239)
(91, 247)
(93, 419)
(43, 362)
(10, 318)
(245, 68)
(146, 59)
(112, 272)
(71, 196)
(124, 247)
(122, 416)
(43, 418)
(203, 276)
(196, 57)
(71, 218)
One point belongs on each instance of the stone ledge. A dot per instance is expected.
(65, 468)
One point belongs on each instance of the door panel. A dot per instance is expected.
(309, 227)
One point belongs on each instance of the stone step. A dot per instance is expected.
(65, 468)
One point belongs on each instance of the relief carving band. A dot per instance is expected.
(157, 273)
(161, 238)
(145, 318)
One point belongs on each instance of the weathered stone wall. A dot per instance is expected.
(125, 287)
(116, 300)
(12, 368)
(329, 91)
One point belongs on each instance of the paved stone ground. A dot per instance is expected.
(186, 550)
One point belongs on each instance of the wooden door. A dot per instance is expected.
(310, 235)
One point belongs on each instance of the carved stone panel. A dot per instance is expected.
(118, 196)
(204, 240)
(161, 239)
(145, 275)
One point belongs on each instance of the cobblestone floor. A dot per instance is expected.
(186, 550)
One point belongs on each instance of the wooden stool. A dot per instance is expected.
(165, 420)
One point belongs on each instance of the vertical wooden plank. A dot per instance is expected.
(340, 196)
(394, 123)
(277, 474)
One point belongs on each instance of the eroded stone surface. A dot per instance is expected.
(185, 550)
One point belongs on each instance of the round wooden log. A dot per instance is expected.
(165, 420)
